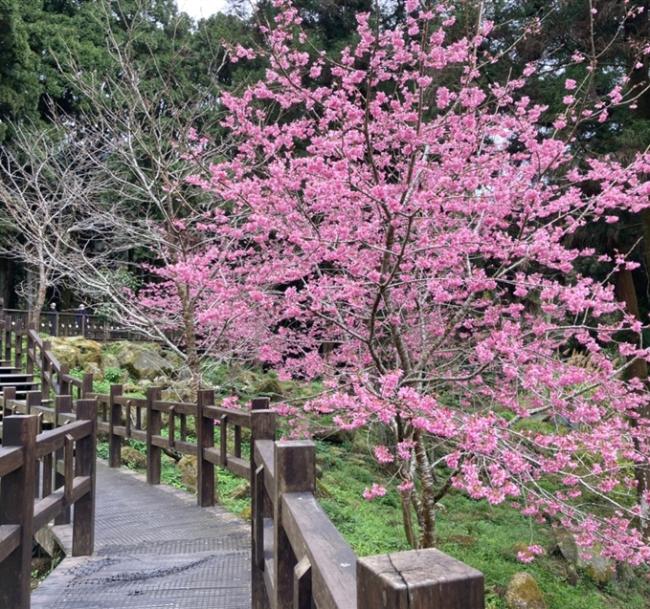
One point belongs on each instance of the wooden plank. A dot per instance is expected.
(205, 442)
(53, 439)
(237, 441)
(115, 420)
(17, 508)
(238, 466)
(68, 461)
(139, 434)
(312, 535)
(212, 455)
(264, 455)
(11, 459)
(83, 530)
(120, 430)
(49, 507)
(302, 597)
(185, 408)
(235, 416)
(9, 539)
(223, 442)
(63, 413)
(187, 448)
(154, 425)
(419, 579)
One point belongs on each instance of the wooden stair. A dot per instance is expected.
(15, 377)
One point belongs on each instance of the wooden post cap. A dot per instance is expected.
(418, 579)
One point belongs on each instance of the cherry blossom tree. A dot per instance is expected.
(408, 228)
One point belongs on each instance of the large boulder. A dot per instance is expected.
(523, 592)
(565, 546)
(176, 391)
(142, 360)
(77, 351)
(599, 569)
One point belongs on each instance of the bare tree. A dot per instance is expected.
(43, 176)
(144, 148)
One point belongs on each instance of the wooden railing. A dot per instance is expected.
(54, 376)
(42, 475)
(299, 559)
(70, 323)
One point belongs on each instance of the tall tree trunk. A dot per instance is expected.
(38, 302)
(638, 368)
(427, 493)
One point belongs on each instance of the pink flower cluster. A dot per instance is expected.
(411, 244)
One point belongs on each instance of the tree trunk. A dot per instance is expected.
(427, 493)
(39, 301)
(189, 336)
(626, 292)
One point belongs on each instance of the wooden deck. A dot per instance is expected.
(154, 549)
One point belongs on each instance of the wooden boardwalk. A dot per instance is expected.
(154, 549)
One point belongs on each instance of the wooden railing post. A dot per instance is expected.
(205, 487)
(62, 405)
(295, 472)
(262, 428)
(46, 369)
(64, 384)
(32, 398)
(17, 508)
(419, 579)
(115, 418)
(83, 532)
(154, 425)
(86, 385)
(7, 338)
(8, 396)
(31, 352)
(18, 350)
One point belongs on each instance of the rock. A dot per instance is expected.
(76, 351)
(66, 354)
(95, 370)
(523, 592)
(270, 387)
(242, 492)
(179, 391)
(133, 458)
(572, 576)
(188, 471)
(110, 361)
(142, 360)
(599, 569)
(565, 546)
(174, 360)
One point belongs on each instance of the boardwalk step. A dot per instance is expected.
(6, 378)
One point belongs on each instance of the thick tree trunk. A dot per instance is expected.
(427, 493)
(626, 292)
(37, 304)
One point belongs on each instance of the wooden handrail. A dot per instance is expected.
(299, 558)
(22, 514)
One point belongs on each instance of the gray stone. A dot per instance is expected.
(523, 592)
